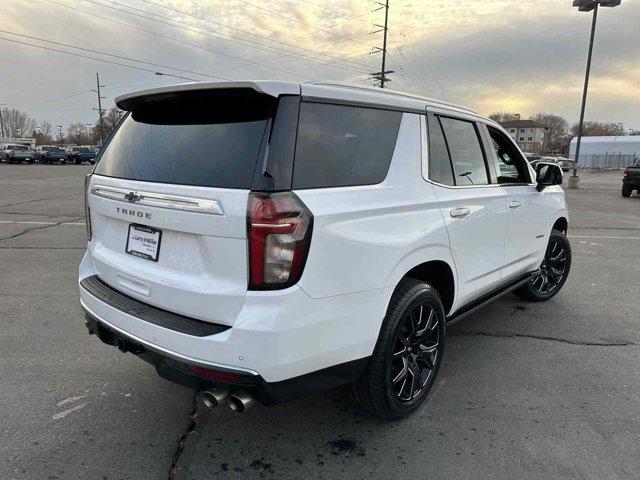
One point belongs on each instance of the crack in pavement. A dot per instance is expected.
(541, 337)
(193, 423)
(40, 200)
(39, 228)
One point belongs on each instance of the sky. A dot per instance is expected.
(524, 56)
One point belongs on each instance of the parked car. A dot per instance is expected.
(50, 154)
(17, 154)
(631, 178)
(78, 155)
(543, 159)
(566, 164)
(267, 240)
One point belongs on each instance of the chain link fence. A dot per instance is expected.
(605, 161)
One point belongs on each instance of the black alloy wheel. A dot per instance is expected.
(553, 272)
(406, 359)
(416, 353)
(552, 269)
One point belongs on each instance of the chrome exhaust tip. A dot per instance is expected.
(213, 397)
(240, 402)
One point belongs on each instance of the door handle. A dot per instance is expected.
(459, 212)
(514, 204)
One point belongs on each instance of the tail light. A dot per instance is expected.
(87, 212)
(625, 172)
(279, 231)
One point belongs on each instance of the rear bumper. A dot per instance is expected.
(279, 339)
(192, 374)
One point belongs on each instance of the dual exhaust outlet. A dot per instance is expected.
(239, 402)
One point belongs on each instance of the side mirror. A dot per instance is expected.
(547, 174)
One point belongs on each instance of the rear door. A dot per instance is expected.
(472, 205)
(168, 201)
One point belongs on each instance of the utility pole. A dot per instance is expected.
(382, 74)
(100, 111)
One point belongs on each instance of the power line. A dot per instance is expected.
(44, 40)
(242, 58)
(74, 54)
(150, 32)
(227, 37)
(293, 20)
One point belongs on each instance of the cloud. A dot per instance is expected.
(519, 55)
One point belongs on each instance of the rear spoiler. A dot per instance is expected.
(131, 101)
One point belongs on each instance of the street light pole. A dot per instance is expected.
(584, 91)
(1, 122)
(517, 128)
(587, 6)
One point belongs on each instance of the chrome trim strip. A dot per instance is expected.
(159, 200)
(162, 350)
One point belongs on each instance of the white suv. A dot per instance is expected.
(266, 240)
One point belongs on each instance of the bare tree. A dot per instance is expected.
(17, 123)
(602, 129)
(557, 128)
(42, 133)
(109, 121)
(77, 133)
(503, 116)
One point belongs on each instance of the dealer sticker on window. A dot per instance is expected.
(143, 242)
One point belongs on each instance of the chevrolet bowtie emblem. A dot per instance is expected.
(132, 197)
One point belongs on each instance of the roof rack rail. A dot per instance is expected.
(386, 91)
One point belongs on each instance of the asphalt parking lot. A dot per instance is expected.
(526, 390)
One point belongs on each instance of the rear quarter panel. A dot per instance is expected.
(367, 237)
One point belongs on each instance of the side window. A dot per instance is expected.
(512, 167)
(467, 157)
(439, 163)
(340, 145)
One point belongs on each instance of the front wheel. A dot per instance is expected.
(407, 355)
(553, 272)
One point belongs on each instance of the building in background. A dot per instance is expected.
(530, 136)
(601, 153)
(29, 142)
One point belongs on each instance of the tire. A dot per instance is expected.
(626, 190)
(554, 270)
(415, 306)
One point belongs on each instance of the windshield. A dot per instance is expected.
(197, 138)
(84, 149)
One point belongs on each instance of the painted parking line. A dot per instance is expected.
(604, 237)
(5, 222)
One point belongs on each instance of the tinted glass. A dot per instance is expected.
(466, 154)
(342, 145)
(201, 138)
(512, 166)
(439, 163)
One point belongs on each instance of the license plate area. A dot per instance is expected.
(143, 242)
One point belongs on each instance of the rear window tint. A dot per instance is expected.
(199, 138)
(341, 145)
(439, 163)
(467, 156)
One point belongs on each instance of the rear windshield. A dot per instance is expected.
(200, 138)
(85, 150)
(19, 147)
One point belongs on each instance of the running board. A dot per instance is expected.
(488, 298)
